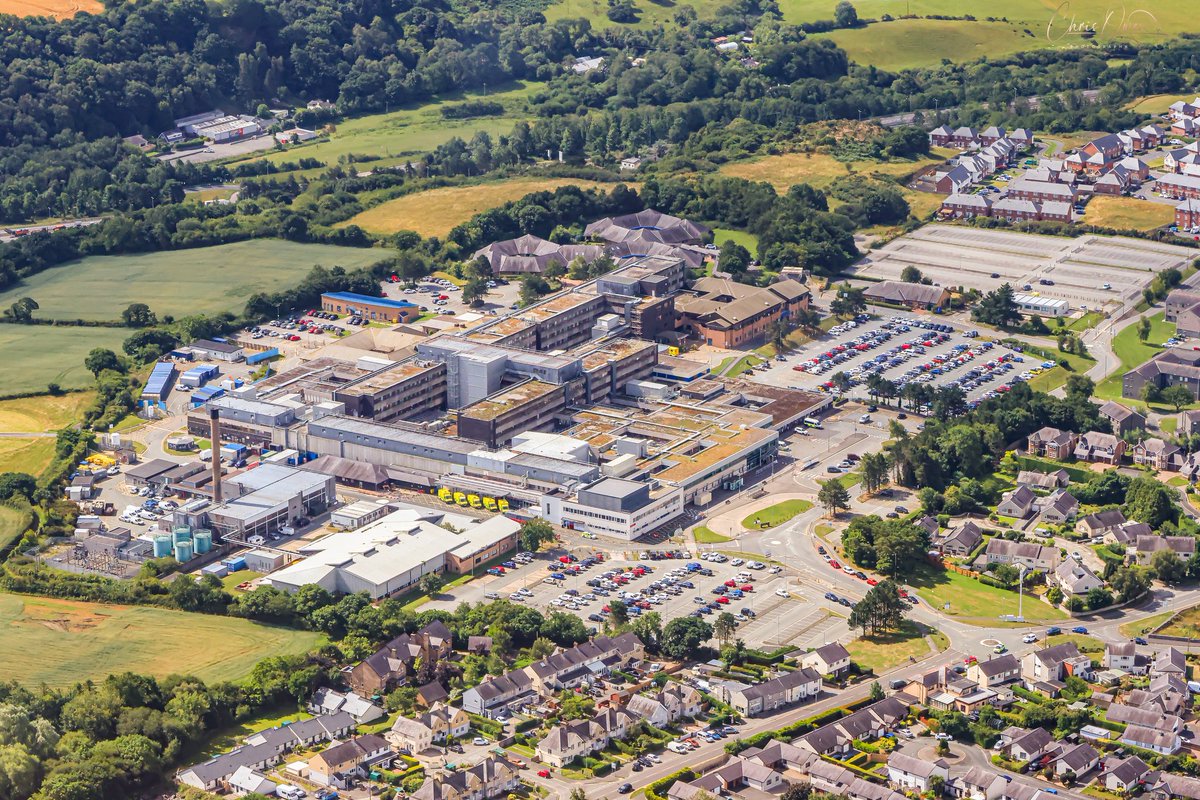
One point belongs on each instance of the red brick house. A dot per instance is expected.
(1187, 214)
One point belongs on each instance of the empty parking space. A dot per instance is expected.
(1089, 272)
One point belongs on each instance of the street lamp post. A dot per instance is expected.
(1021, 593)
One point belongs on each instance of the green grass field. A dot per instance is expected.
(180, 282)
(36, 355)
(398, 135)
(12, 524)
(908, 43)
(818, 169)
(437, 211)
(30, 455)
(1133, 351)
(42, 414)
(92, 640)
(881, 652)
(972, 601)
(1158, 103)
(775, 515)
(744, 238)
(1144, 625)
(1126, 212)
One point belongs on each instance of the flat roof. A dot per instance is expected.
(386, 377)
(508, 399)
(351, 297)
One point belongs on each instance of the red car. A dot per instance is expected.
(835, 565)
(543, 773)
(723, 600)
(872, 582)
(731, 582)
(747, 588)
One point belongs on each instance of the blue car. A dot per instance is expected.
(1053, 630)
(558, 576)
(1079, 629)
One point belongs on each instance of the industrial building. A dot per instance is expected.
(376, 309)
(261, 501)
(391, 554)
(217, 350)
(158, 385)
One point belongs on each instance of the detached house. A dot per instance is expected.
(1103, 448)
(1157, 454)
(1123, 775)
(962, 541)
(1019, 503)
(1058, 507)
(1043, 480)
(1182, 546)
(1051, 443)
(1033, 556)
(1124, 419)
(1160, 741)
(1074, 578)
(388, 667)
(1100, 523)
(831, 659)
(1079, 759)
(1029, 744)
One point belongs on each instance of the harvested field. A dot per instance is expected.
(59, 9)
(43, 413)
(818, 169)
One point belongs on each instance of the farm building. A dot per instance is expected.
(380, 309)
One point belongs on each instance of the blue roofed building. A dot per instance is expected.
(374, 309)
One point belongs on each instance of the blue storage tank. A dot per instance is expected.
(202, 541)
(183, 551)
(162, 546)
(183, 534)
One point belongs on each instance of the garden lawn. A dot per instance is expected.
(881, 652)
(744, 364)
(200, 280)
(1168, 424)
(706, 535)
(30, 455)
(773, 516)
(1128, 212)
(817, 169)
(34, 356)
(42, 414)
(92, 640)
(1132, 351)
(974, 602)
(436, 212)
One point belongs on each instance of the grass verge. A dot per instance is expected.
(773, 516)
